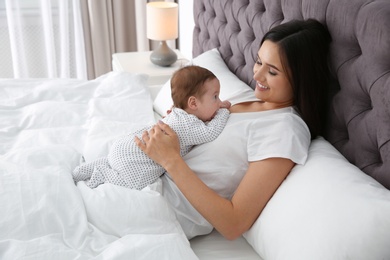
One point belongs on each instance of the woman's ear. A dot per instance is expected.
(192, 103)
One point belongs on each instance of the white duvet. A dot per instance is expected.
(45, 127)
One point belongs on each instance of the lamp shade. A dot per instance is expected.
(162, 21)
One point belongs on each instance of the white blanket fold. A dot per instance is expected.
(45, 127)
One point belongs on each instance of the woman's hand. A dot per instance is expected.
(161, 144)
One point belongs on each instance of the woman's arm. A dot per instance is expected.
(230, 217)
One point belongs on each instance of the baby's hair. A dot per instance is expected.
(189, 81)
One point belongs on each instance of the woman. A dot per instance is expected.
(271, 133)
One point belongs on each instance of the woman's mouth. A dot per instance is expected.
(261, 87)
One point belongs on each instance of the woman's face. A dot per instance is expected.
(272, 84)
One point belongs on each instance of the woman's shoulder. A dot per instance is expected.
(282, 133)
(283, 121)
(290, 113)
(254, 110)
(287, 118)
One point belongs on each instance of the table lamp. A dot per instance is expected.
(162, 25)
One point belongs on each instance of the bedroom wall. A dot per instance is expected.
(186, 25)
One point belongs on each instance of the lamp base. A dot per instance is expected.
(163, 55)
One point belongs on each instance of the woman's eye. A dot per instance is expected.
(273, 73)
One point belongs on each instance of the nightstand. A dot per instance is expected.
(139, 62)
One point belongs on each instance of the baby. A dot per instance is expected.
(197, 116)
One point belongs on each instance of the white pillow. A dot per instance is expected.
(326, 209)
(231, 85)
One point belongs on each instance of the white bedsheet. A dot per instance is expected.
(45, 126)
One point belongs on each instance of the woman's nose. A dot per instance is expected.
(258, 75)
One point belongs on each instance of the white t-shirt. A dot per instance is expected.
(221, 164)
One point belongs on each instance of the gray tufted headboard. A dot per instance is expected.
(359, 112)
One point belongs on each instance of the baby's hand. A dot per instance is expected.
(225, 104)
(169, 110)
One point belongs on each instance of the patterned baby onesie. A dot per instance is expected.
(128, 166)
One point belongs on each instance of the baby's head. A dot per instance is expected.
(196, 90)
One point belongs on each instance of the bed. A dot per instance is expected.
(336, 206)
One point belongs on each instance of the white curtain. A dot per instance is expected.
(112, 26)
(45, 39)
(69, 38)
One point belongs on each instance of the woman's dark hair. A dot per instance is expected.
(189, 81)
(304, 47)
